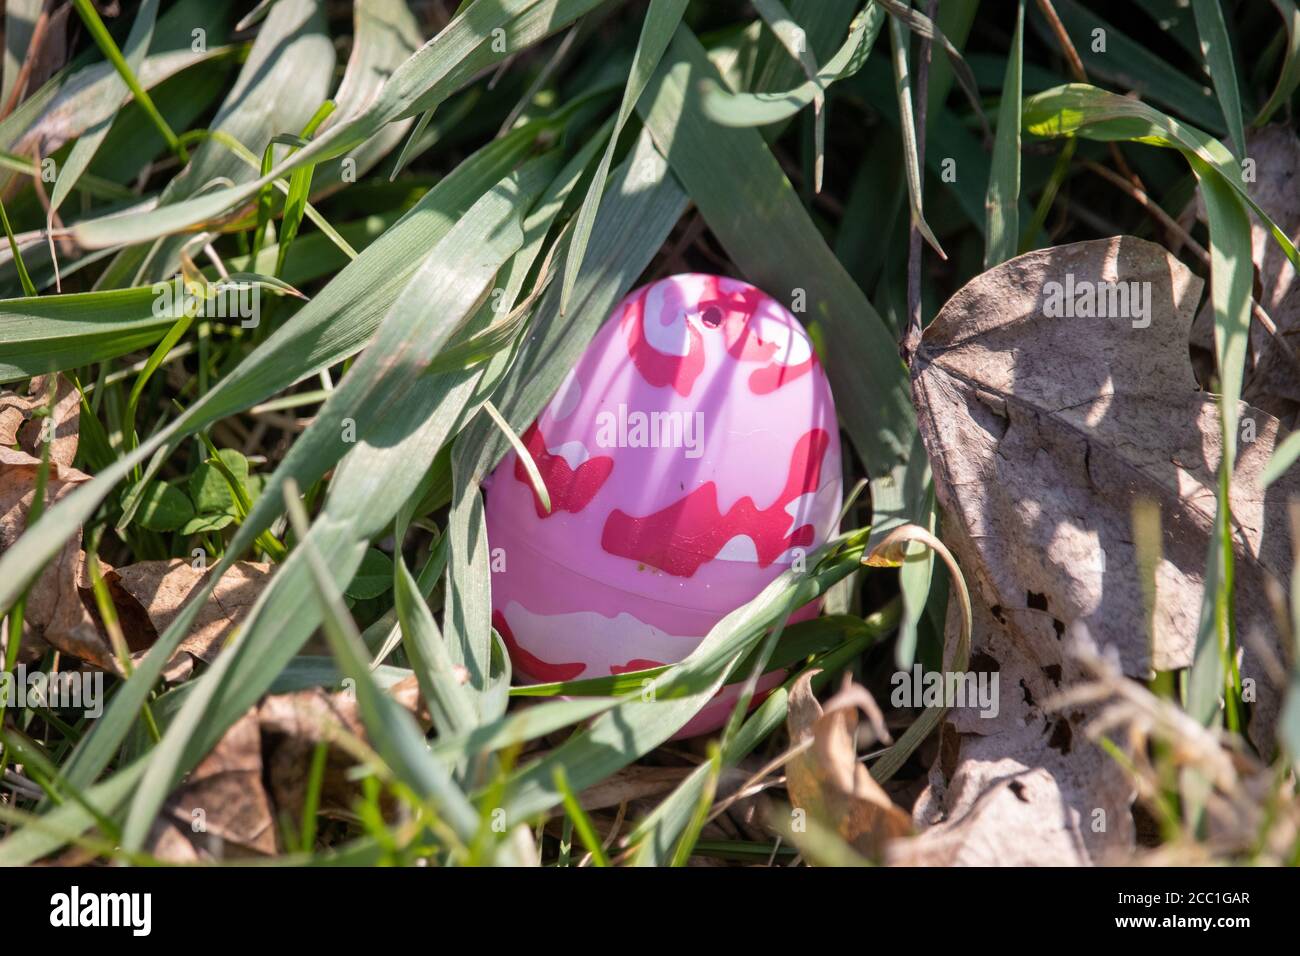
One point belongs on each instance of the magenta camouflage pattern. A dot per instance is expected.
(690, 456)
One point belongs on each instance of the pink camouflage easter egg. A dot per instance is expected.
(691, 456)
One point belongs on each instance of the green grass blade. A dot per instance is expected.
(334, 325)
(385, 35)
(20, 21)
(957, 67)
(761, 108)
(788, 33)
(525, 456)
(1078, 109)
(691, 835)
(898, 37)
(299, 196)
(137, 46)
(1231, 278)
(914, 580)
(661, 21)
(391, 729)
(295, 203)
(104, 40)
(156, 358)
(439, 68)
(29, 289)
(469, 599)
(1284, 456)
(449, 703)
(1217, 50)
(71, 330)
(581, 822)
(368, 285)
(1002, 207)
(1129, 65)
(520, 726)
(254, 16)
(795, 41)
(1289, 78)
(401, 418)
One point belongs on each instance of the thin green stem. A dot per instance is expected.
(104, 40)
(29, 288)
(581, 822)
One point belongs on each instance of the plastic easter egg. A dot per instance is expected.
(691, 456)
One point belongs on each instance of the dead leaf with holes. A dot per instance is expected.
(1045, 427)
(1025, 787)
(826, 780)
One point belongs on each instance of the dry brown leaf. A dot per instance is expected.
(1043, 433)
(1023, 788)
(259, 770)
(1272, 379)
(61, 611)
(223, 804)
(55, 613)
(149, 594)
(66, 417)
(827, 780)
(293, 724)
(20, 425)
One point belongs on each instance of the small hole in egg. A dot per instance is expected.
(712, 317)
